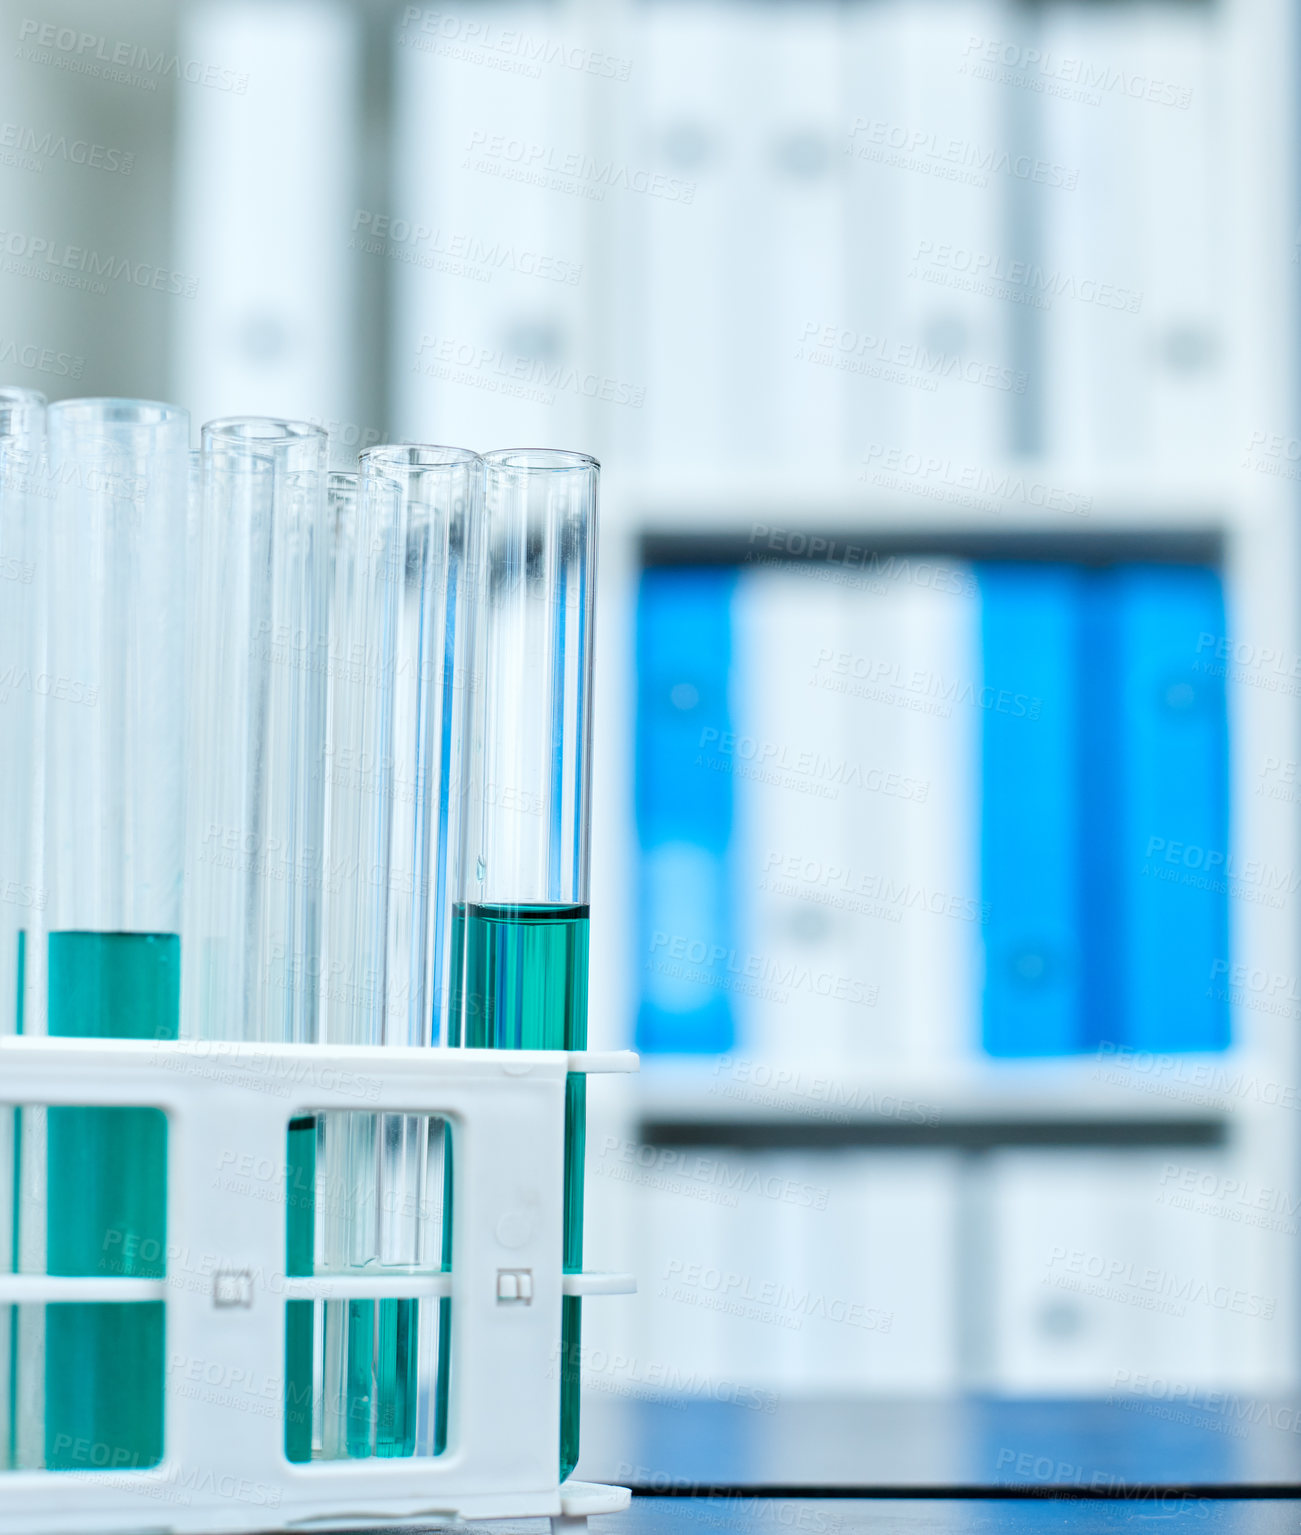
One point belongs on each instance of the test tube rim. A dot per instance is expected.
(539, 460)
(114, 410)
(397, 457)
(261, 431)
(20, 394)
(21, 409)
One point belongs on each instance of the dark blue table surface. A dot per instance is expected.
(658, 1516)
(1041, 1445)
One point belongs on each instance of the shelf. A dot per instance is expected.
(1095, 1100)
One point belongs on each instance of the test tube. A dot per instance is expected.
(114, 562)
(257, 733)
(255, 823)
(398, 633)
(522, 921)
(22, 433)
(22, 436)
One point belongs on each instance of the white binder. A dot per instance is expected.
(266, 193)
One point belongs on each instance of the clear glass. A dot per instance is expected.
(522, 918)
(528, 819)
(22, 440)
(22, 435)
(114, 561)
(257, 734)
(397, 630)
(256, 824)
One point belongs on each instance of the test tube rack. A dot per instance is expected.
(225, 1290)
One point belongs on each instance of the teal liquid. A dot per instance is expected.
(378, 1339)
(521, 974)
(379, 1344)
(107, 1209)
(300, 1247)
(11, 1449)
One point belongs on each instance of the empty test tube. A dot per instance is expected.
(397, 636)
(256, 809)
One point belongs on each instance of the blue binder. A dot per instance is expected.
(1173, 811)
(1029, 791)
(684, 810)
(1104, 824)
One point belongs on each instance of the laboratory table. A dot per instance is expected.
(1217, 1463)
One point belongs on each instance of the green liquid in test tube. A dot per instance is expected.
(113, 770)
(107, 1208)
(22, 435)
(525, 988)
(520, 949)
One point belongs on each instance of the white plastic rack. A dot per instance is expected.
(224, 1470)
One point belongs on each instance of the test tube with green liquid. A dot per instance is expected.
(255, 815)
(521, 923)
(22, 433)
(114, 559)
(397, 631)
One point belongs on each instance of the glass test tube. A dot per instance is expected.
(22, 434)
(522, 919)
(22, 438)
(398, 630)
(114, 561)
(256, 814)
